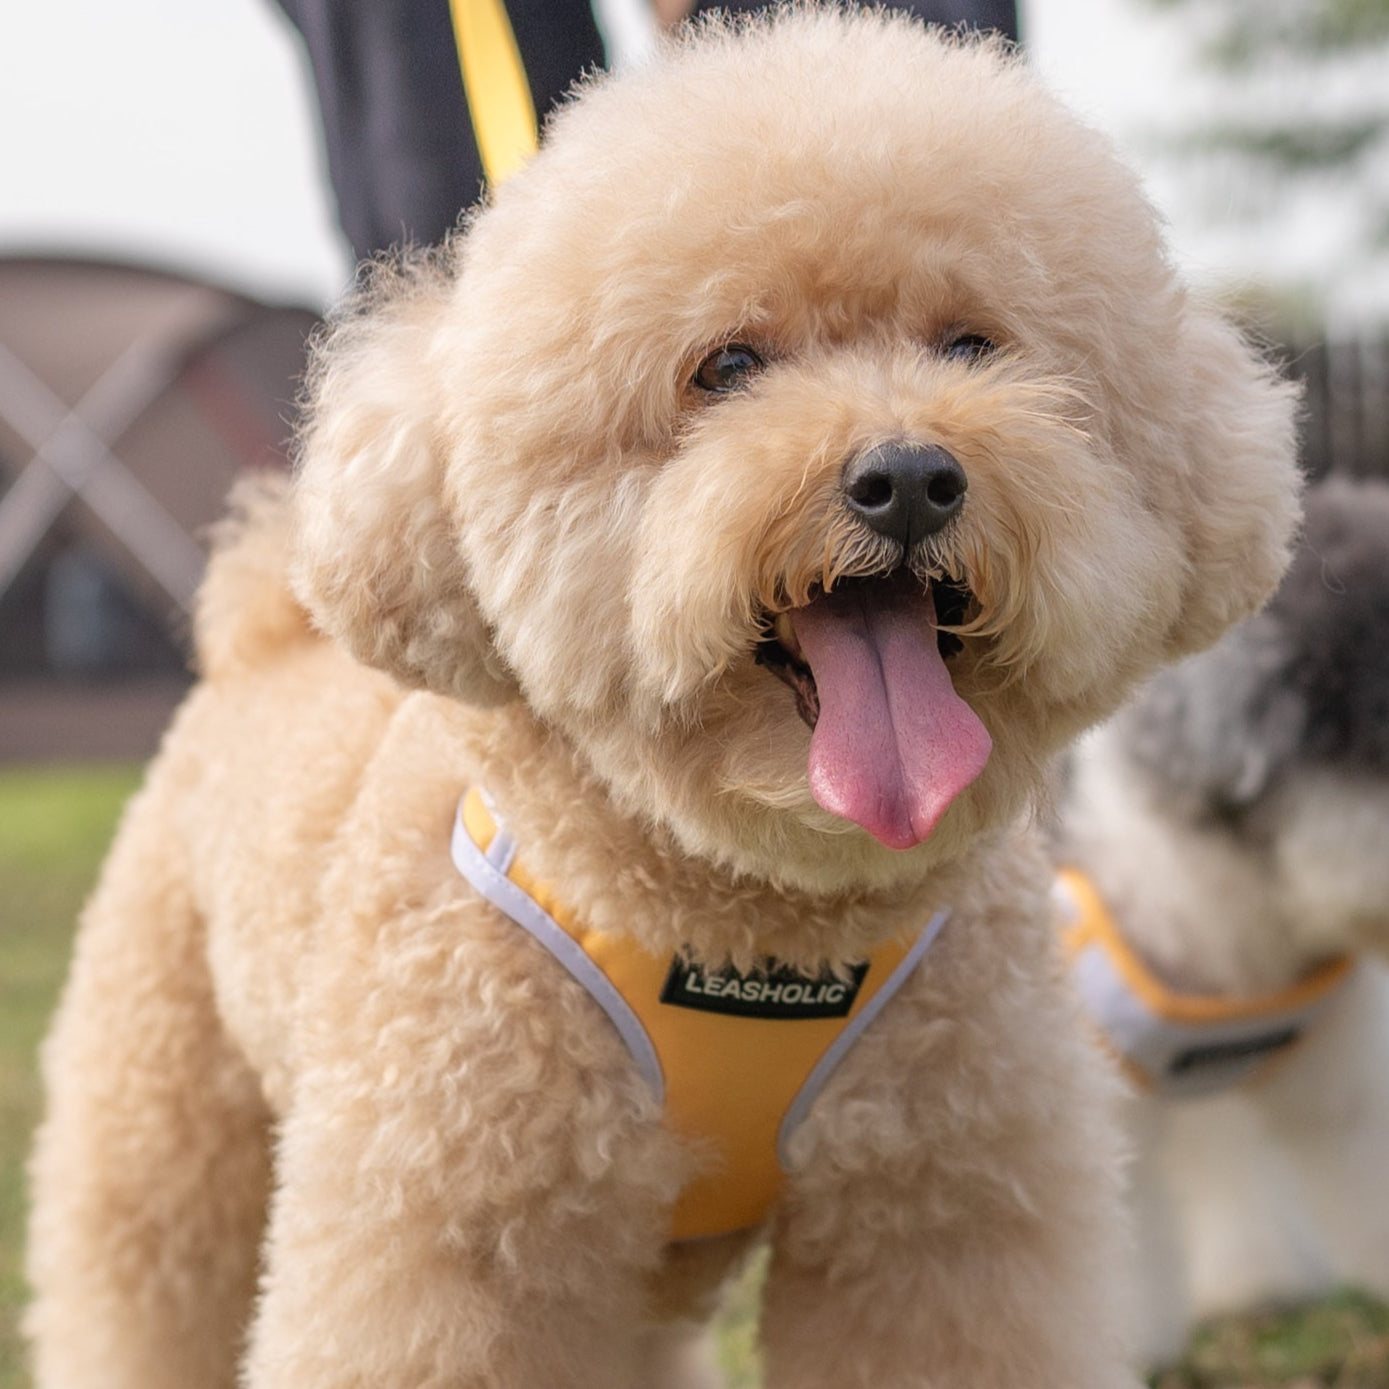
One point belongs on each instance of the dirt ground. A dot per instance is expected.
(46, 721)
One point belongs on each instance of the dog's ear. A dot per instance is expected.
(1238, 432)
(377, 562)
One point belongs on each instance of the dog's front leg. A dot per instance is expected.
(973, 1315)
(983, 1298)
(470, 1190)
(953, 1219)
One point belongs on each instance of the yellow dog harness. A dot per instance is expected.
(1179, 1045)
(736, 1060)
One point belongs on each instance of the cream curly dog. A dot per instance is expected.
(787, 462)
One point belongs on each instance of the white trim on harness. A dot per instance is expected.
(491, 881)
(825, 1067)
(487, 872)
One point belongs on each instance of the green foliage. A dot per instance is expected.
(1245, 32)
(1302, 147)
(1298, 120)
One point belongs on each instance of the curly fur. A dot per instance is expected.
(1235, 816)
(1182, 513)
(540, 558)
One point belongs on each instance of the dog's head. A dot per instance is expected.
(814, 434)
(1277, 740)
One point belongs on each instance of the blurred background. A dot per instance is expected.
(167, 235)
(168, 240)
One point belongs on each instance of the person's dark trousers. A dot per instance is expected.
(401, 154)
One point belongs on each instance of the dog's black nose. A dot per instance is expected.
(905, 491)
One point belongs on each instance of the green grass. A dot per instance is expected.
(1342, 1343)
(54, 827)
(738, 1352)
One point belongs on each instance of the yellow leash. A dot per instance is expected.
(494, 80)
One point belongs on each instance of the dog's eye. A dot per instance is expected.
(969, 347)
(728, 368)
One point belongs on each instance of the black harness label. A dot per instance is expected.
(1223, 1053)
(774, 991)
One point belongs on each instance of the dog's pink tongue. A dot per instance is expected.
(894, 744)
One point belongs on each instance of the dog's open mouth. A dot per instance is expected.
(780, 650)
(892, 744)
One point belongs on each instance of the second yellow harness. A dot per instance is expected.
(1178, 1044)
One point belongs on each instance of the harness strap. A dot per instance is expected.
(735, 1060)
(495, 83)
(1180, 1045)
(485, 853)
